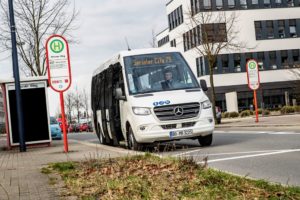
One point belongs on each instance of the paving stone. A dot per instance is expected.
(20, 173)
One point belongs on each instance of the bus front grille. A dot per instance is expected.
(178, 111)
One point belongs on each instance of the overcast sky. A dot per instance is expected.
(103, 26)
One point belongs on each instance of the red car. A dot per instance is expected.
(84, 127)
(59, 120)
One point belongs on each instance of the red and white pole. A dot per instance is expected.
(256, 107)
(63, 118)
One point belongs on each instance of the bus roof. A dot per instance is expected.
(117, 58)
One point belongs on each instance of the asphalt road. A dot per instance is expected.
(273, 156)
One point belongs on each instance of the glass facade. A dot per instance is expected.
(267, 60)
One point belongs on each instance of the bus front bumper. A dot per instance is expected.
(156, 133)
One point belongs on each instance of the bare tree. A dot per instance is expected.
(212, 33)
(78, 105)
(153, 42)
(85, 101)
(36, 20)
(58, 112)
(69, 105)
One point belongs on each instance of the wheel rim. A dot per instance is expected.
(101, 138)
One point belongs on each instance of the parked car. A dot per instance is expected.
(73, 128)
(84, 127)
(59, 120)
(218, 114)
(56, 132)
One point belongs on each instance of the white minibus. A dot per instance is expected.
(147, 96)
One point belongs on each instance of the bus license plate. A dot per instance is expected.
(180, 133)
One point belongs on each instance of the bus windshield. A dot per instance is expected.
(158, 72)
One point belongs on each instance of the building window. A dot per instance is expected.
(272, 56)
(260, 60)
(248, 56)
(290, 3)
(225, 63)
(243, 4)
(163, 41)
(173, 43)
(175, 18)
(237, 62)
(195, 6)
(293, 29)
(267, 3)
(278, 3)
(270, 29)
(296, 58)
(281, 28)
(254, 3)
(214, 33)
(284, 59)
(258, 30)
(219, 4)
(200, 67)
(231, 4)
(207, 4)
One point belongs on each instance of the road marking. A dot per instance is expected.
(241, 152)
(283, 133)
(187, 152)
(241, 132)
(259, 132)
(250, 156)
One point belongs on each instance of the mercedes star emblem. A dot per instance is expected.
(178, 111)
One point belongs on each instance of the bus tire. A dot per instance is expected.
(101, 137)
(205, 140)
(131, 141)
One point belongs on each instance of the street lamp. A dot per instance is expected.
(17, 77)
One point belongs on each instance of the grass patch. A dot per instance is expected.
(46, 170)
(52, 181)
(151, 177)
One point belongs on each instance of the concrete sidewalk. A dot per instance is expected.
(20, 173)
(282, 122)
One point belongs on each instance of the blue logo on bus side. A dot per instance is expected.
(161, 103)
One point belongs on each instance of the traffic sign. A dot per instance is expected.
(253, 81)
(59, 73)
(253, 74)
(58, 62)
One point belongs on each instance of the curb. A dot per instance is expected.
(107, 148)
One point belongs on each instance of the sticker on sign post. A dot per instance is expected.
(58, 60)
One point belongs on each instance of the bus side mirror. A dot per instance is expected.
(119, 94)
(203, 85)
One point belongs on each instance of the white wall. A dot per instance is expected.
(245, 24)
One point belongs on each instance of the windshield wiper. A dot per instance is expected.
(144, 95)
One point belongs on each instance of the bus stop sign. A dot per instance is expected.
(59, 73)
(253, 74)
(58, 62)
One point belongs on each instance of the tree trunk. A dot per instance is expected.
(212, 85)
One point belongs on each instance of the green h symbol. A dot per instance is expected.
(56, 46)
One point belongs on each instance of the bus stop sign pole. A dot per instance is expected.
(19, 106)
(253, 81)
(59, 73)
(63, 118)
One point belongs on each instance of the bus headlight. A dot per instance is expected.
(206, 104)
(141, 111)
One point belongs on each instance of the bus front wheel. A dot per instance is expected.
(205, 140)
(131, 141)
